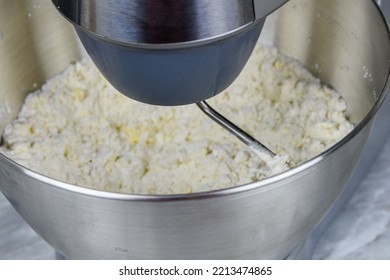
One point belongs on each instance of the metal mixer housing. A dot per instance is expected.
(169, 52)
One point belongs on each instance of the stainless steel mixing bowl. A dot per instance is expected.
(169, 52)
(345, 42)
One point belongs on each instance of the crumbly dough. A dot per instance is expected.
(80, 130)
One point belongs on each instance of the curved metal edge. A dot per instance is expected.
(267, 5)
(168, 46)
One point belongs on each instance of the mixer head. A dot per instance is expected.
(169, 52)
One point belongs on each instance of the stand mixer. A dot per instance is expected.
(265, 219)
(169, 52)
(172, 52)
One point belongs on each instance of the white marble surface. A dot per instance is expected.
(17, 239)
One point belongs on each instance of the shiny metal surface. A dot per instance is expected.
(137, 23)
(157, 21)
(169, 52)
(263, 220)
(173, 76)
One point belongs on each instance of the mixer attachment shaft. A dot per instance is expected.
(243, 136)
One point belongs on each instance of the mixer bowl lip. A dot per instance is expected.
(264, 184)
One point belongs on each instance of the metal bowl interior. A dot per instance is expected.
(262, 220)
